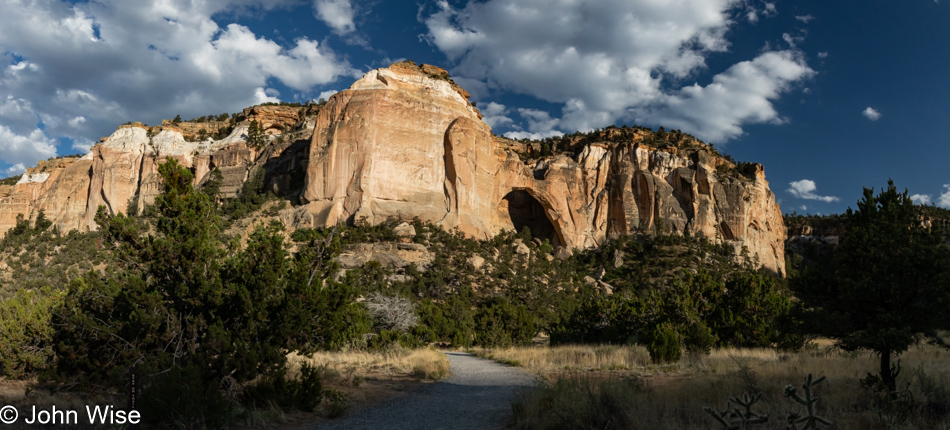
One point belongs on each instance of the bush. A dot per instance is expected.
(392, 312)
(502, 324)
(664, 346)
(182, 398)
(577, 402)
(25, 332)
(179, 298)
(302, 393)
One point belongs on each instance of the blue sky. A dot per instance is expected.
(829, 96)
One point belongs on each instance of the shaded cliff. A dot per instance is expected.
(405, 142)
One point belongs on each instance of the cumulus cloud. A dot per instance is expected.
(740, 95)
(77, 121)
(337, 14)
(112, 61)
(82, 145)
(25, 149)
(944, 199)
(326, 94)
(804, 18)
(627, 70)
(871, 114)
(15, 169)
(822, 55)
(805, 189)
(495, 115)
(540, 125)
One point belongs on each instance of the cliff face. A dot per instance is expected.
(123, 169)
(405, 142)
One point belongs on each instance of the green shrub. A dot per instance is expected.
(25, 332)
(500, 323)
(664, 346)
(302, 393)
(178, 297)
(183, 398)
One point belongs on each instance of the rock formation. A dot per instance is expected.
(402, 142)
(405, 142)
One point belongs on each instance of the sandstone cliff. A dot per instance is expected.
(401, 142)
(405, 142)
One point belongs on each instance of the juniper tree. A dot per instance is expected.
(885, 286)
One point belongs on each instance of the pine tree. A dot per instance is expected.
(885, 286)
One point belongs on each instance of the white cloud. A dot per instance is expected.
(540, 125)
(20, 149)
(803, 207)
(804, 18)
(326, 94)
(112, 61)
(822, 55)
(15, 169)
(622, 71)
(805, 189)
(265, 96)
(495, 115)
(920, 199)
(740, 95)
(337, 14)
(792, 41)
(77, 121)
(82, 145)
(944, 199)
(871, 114)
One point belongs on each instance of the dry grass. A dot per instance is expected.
(355, 380)
(353, 366)
(546, 361)
(672, 396)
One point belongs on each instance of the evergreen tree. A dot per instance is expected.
(255, 135)
(181, 298)
(885, 286)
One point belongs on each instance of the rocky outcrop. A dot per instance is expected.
(405, 142)
(123, 169)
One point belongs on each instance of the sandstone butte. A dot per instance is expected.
(405, 142)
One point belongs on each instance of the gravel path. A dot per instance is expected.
(477, 395)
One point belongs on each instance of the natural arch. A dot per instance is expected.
(526, 211)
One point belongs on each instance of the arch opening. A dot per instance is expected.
(526, 211)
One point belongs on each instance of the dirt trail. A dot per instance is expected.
(477, 395)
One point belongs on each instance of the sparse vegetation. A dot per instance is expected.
(583, 386)
(12, 180)
(645, 318)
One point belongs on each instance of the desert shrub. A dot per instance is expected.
(251, 197)
(182, 398)
(664, 345)
(303, 392)
(451, 321)
(178, 297)
(338, 403)
(386, 339)
(577, 402)
(500, 323)
(935, 402)
(25, 332)
(392, 312)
